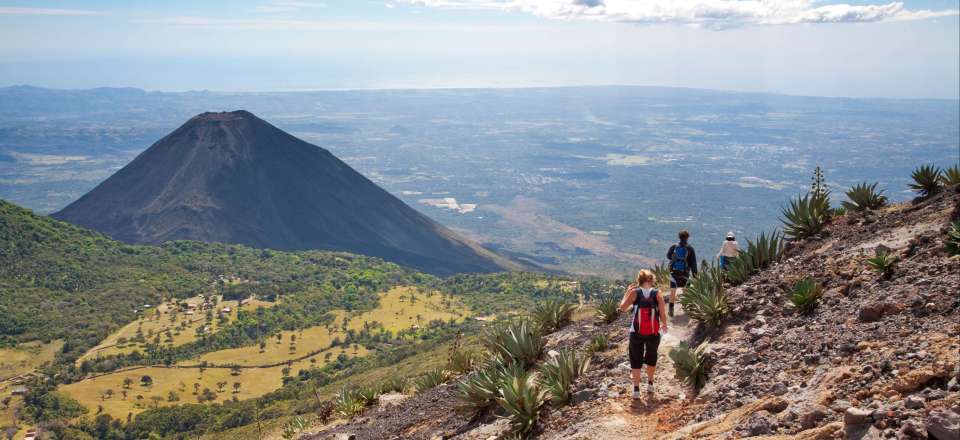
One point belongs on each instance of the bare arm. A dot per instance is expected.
(628, 297)
(663, 311)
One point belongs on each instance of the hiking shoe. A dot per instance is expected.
(649, 387)
(670, 311)
(636, 394)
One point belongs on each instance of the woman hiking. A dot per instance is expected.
(648, 320)
(728, 250)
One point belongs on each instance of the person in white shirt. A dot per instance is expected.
(728, 250)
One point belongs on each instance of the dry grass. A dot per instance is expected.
(26, 357)
(160, 320)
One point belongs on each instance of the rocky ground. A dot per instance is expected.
(876, 359)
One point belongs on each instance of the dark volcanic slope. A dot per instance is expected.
(234, 178)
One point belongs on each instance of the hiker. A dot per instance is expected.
(728, 250)
(683, 261)
(647, 323)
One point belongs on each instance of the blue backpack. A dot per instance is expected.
(679, 262)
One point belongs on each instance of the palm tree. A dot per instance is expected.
(236, 387)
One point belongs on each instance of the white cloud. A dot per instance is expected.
(714, 14)
(46, 11)
(279, 6)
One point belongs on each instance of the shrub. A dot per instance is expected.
(553, 314)
(431, 379)
(758, 255)
(951, 176)
(369, 395)
(705, 298)
(608, 308)
(953, 239)
(883, 263)
(349, 402)
(691, 366)
(806, 216)
(478, 391)
(518, 341)
(864, 196)
(805, 295)
(926, 180)
(558, 373)
(599, 342)
(521, 397)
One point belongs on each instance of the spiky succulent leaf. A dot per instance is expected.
(518, 341)
(953, 239)
(553, 314)
(864, 196)
(705, 299)
(926, 180)
(883, 263)
(522, 397)
(806, 215)
(608, 308)
(691, 365)
(805, 295)
(558, 373)
(951, 176)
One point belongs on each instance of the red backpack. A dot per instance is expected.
(646, 314)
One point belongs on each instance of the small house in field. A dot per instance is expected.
(226, 310)
(245, 301)
(192, 306)
(189, 313)
(30, 435)
(18, 390)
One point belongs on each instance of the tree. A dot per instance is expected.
(196, 388)
(127, 382)
(156, 401)
(263, 346)
(124, 394)
(235, 370)
(146, 381)
(173, 397)
(6, 402)
(220, 386)
(236, 387)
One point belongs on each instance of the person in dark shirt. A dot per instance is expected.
(683, 262)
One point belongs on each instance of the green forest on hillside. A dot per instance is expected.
(62, 282)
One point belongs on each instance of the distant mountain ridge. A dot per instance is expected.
(233, 178)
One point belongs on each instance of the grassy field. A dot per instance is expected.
(396, 311)
(403, 308)
(26, 357)
(166, 322)
(184, 382)
(400, 308)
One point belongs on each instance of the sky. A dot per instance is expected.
(869, 48)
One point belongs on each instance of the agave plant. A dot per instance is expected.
(393, 384)
(558, 373)
(349, 402)
(883, 263)
(661, 273)
(599, 342)
(805, 295)
(553, 314)
(522, 397)
(864, 196)
(519, 341)
(705, 299)
(926, 180)
(431, 379)
(758, 255)
(953, 239)
(691, 365)
(479, 390)
(368, 395)
(951, 176)
(608, 308)
(807, 215)
(462, 361)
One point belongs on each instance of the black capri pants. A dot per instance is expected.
(643, 350)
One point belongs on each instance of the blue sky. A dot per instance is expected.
(808, 47)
